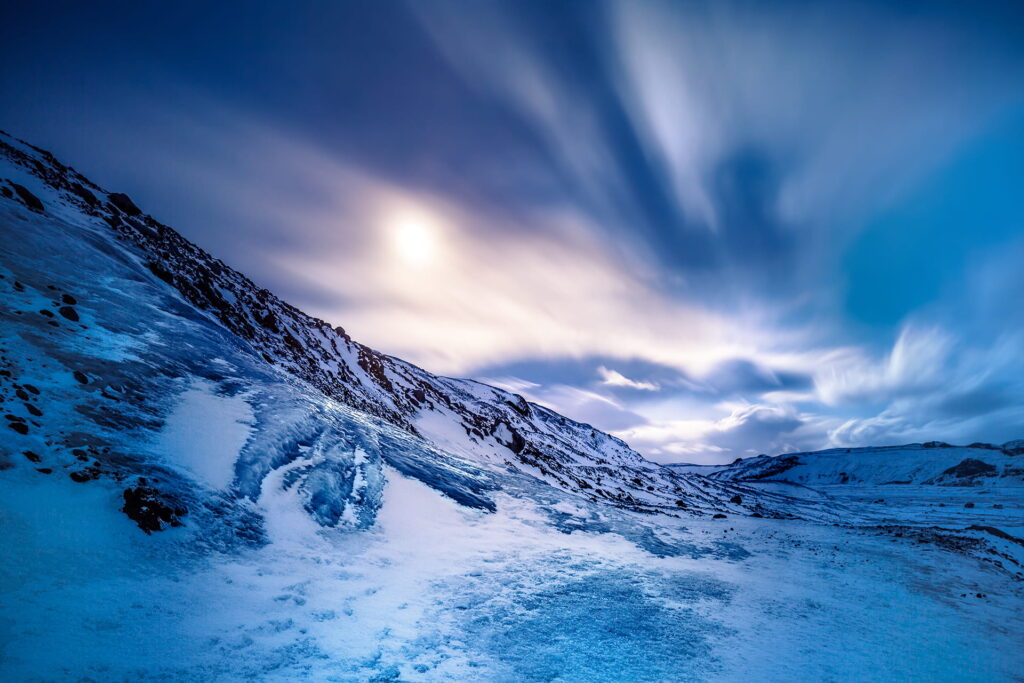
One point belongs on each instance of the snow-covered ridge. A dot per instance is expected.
(76, 221)
(931, 463)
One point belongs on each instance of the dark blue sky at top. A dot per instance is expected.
(840, 183)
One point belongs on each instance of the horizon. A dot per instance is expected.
(759, 238)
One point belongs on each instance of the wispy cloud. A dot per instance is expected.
(613, 378)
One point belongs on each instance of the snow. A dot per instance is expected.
(437, 591)
(205, 433)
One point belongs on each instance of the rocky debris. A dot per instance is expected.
(84, 194)
(148, 508)
(30, 200)
(124, 204)
(88, 474)
(80, 377)
(69, 313)
(736, 500)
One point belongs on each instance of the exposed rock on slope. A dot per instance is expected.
(466, 420)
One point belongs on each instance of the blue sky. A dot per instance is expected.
(715, 229)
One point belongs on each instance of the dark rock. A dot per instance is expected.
(968, 505)
(32, 457)
(718, 515)
(124, 203)
(46, 312)
(20, 393)
(419, 395)
(44, 470)
(32, 410)
(269, 322)
(520, 405)
(757, 514)
(68, 299)
(160, 272)
(150, 510)
(69, 313)
(19, 427)
(737, 499)
(31, 389)
(970, 467)
(82, 476)
(81, 376)
(31, 201)
(85, 194)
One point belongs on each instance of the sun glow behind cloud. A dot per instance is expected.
(413, 236)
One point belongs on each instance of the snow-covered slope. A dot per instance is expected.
(133, 336)
(928, 463)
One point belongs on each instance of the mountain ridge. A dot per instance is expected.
(930, 462)
(465, 417)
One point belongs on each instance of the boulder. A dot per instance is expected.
(31, 201)
(124, 204)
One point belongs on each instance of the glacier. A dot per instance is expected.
(199, 482)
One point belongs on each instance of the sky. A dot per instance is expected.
(713, 229)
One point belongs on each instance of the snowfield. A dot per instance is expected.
(198, 482)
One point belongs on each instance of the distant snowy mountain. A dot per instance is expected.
(932, 463)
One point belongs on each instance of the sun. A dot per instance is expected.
(413, 238)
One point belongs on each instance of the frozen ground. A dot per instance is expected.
(540, 590)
